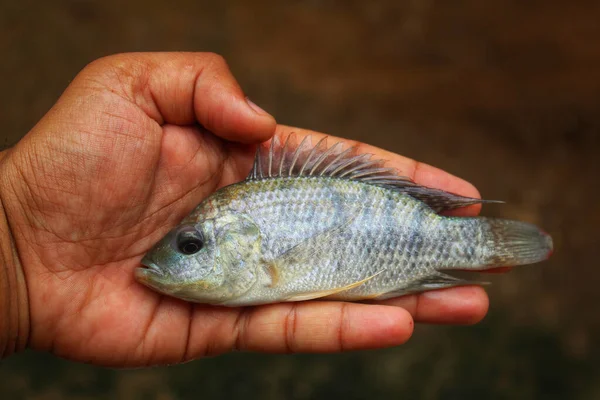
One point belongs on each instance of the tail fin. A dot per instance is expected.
(517, 243)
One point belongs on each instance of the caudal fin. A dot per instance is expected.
(517, 243)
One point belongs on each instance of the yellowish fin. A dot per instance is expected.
(329, 292)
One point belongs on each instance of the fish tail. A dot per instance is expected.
(511, 243)
(482, 243)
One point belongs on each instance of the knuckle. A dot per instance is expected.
(125, 73)
(123, 63)
(214, 59)
(341, 333)
(289, 329)
(240, 329)
(104, 62)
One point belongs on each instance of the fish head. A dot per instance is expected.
(211, 261)
(182, 261)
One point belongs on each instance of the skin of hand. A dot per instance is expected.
(116, 163)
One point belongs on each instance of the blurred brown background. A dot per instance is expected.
(503, 93)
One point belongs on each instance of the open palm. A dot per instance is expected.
(120, 160)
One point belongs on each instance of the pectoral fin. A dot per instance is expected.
(289, 270)
(329, 292)
(273, 272)
(301, 259)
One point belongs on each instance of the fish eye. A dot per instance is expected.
(189, 241)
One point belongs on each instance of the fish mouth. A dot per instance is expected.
(148, 269)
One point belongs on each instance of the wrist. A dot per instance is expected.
(14, 306)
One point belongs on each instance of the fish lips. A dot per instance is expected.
(148, 270)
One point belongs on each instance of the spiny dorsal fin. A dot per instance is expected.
(303, 159)
(293, 159)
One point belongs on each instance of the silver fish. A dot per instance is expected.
(324, 222)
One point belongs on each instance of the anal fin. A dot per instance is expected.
(430, 282)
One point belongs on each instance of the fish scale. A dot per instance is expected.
(323, 222)
(326, 204)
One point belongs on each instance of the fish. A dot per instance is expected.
(328, 222)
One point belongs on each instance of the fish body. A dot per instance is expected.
(317, 222)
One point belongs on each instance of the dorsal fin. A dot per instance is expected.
(303, 159)
(293, 159)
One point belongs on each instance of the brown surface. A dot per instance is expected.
(503, 93)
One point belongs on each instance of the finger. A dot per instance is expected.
(464, 305)
(420, 173)
(314, 327)
(183, 89)
(499, 270)
(319, 327)
(495, 270)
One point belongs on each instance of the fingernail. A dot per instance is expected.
(256, 108)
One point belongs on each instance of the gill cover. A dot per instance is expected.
(238, 255)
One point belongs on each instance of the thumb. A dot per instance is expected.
(184, 89)
(221, 106)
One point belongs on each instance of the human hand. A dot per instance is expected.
(113, 166)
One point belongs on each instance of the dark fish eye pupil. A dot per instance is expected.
(190, 246)
(188, 241)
